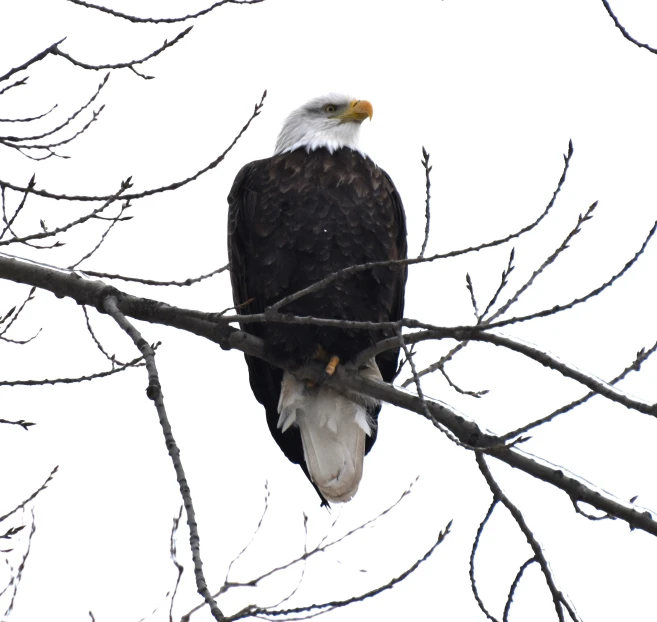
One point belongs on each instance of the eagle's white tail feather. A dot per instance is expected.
(333, 429)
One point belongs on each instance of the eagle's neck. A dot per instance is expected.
(312, 135)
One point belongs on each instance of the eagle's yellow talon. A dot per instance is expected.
(332, 364)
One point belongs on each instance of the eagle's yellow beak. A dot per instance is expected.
(358, 111)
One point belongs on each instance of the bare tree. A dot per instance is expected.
(36, 226)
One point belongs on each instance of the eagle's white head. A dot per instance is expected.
(331, 121)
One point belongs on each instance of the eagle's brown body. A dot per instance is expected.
(293, 219)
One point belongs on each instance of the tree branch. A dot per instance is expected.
(84, 291)
(154, 392)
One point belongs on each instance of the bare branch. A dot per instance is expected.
(103, 237)
(22, 423)
(185, 283)
(111, 358)
(626, 34)
(93, 292)
(558, 596)
(473, 299)
(16, 578)
(544, 313)
(591, 294)
(40, 489)
(16, 313)
(640, 358)
(409, 357)
(551, 259)
(22, 82)
(174, 186)
(454, 386)
(154, 392)
(484, 319)
(329, 606)
(463, 333)
(346, 272)
(514, 587)
(503, 282)
(34, 59)
(10, 222)
(255, 533)
(174, 558)
(427, 203)
(46, 234)
(161, 20)
(130, 64)
(29, 119)
(15, 139)
(137, 362)
(473, 552)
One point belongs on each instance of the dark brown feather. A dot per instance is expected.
(294, 219)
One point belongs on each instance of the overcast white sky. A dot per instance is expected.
(494, 91)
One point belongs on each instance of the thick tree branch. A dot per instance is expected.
(84, 291)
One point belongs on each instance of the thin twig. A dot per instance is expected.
(545, 312)
(29, 119)
(174, 558)
(514, 587)
(329, 606)
(16, 579)
(133, 279)
(626, 34)
(503, 283)
(473, 552)
(62, 125)
(18, 312)
(35, 59)
(346, 272)
(22, 423)
(139, 195)
(409, 357)
(473, 299)
(130, 64)
(111, 358)
(160, 20)
(40, 489)
(427, 202)
(103, 237)
(550, 260)
(484, 319)
(137, 362)
(21, 82)
(46, 234)
(558, 596)
(641, 356)
(591, 294)
(21, 205)
(255, 533)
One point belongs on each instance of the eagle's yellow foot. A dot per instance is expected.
(332, 364)
(322, 356)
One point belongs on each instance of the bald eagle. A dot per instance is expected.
(317, 206)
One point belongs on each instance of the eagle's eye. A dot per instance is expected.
(330, 108)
